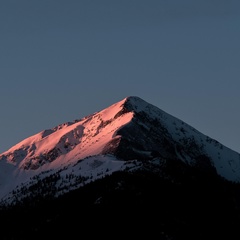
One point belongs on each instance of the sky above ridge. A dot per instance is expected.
(63, 60)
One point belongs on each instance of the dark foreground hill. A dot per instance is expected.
(185, 203)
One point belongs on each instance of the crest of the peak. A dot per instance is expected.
(126, 105)
(132, 104)
(135, 103)
(129, 104)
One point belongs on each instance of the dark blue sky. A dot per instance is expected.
(62, 60)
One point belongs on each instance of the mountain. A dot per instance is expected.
(130, 158)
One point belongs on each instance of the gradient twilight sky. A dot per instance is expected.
(61, 60)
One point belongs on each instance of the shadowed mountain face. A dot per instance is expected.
(131, 164)
(148, 136)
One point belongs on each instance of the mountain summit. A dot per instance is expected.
(131, 144)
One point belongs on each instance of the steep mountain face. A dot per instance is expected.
(128, 134)
(68, 142)
(130, 159)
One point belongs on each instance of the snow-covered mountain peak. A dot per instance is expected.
(129, 130)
